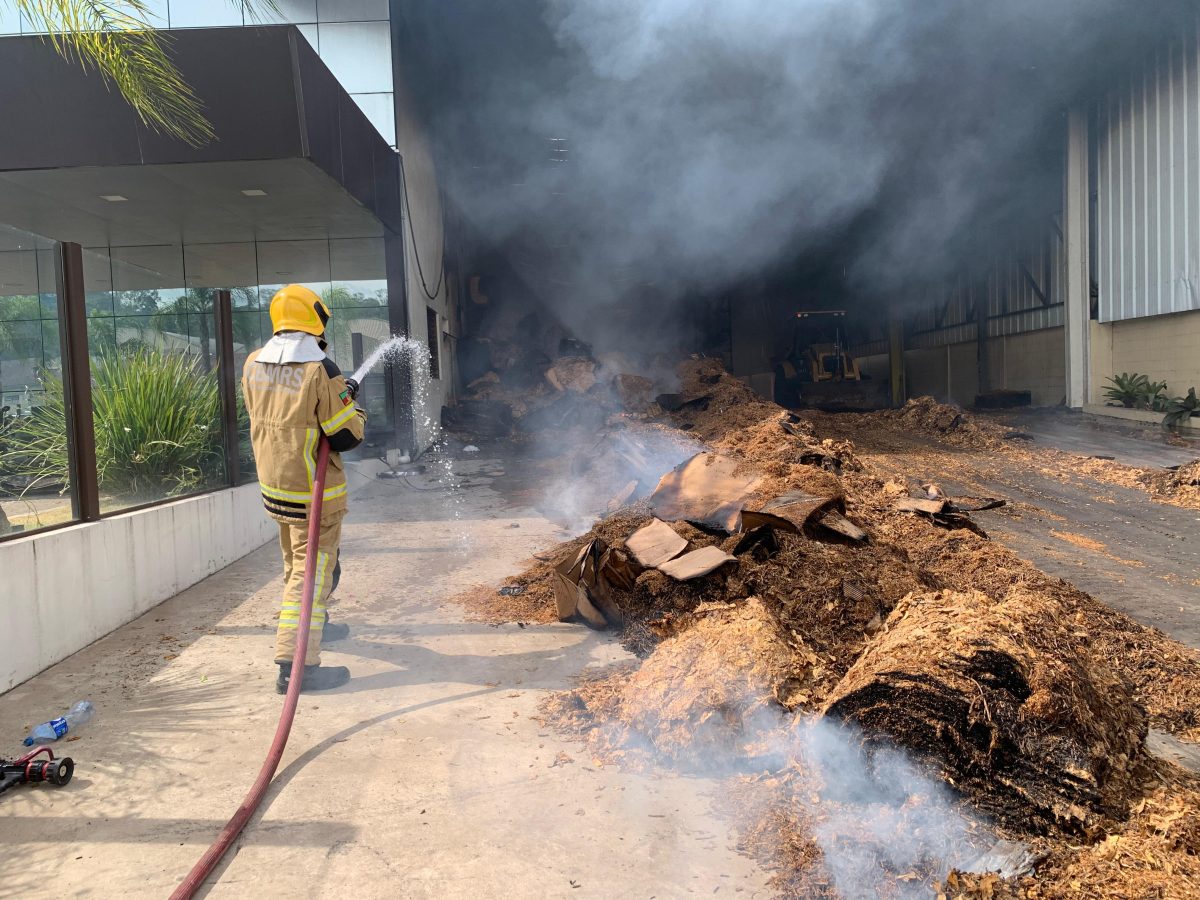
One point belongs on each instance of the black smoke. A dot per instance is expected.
(653, 150)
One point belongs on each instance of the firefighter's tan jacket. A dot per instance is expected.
(289, 405)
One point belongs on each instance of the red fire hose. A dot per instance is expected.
(234, 826)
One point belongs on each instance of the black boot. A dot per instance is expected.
(316, 678)
(331, 632)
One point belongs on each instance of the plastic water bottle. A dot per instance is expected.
(77, 715)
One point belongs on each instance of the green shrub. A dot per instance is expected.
(157, 419)
(1129, 390)
(158, 422)
(1156, 398)
(1180, 409)
(34, 457)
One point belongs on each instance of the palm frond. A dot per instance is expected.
(256, 10)
(116, 40)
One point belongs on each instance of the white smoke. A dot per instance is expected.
(882, 824)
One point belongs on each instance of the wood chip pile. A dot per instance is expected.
(1026, 695)
(1006, 701)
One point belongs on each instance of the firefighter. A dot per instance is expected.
(294, 393)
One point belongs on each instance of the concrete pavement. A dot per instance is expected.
(428, 775)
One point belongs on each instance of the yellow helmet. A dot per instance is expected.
(296, 308)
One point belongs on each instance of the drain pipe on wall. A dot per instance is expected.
(234, 826)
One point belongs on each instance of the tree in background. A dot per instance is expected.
(116, 39)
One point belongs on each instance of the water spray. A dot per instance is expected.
(395, 349)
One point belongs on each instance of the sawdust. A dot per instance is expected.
(789, 819)
(836, 595)
(1095, 546)
(533, 603)
(1080, 540)
(522, 398)
(823, 607)
(1181, 487)
(730, 404)
(1151, 855)
(948, 423)
(927, 425)
(711, 692)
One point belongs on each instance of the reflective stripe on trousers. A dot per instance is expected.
(293, 541)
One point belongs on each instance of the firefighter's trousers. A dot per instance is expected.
(293, 541)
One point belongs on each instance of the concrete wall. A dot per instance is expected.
(926, 373)
(1034, 361)
(67, 588)
(1164, 348)
(757, 334)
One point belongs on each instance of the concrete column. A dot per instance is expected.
(896, 359)
(1077, 312)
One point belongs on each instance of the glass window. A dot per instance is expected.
(358, 299)
(155, 397)
(233, 267)
(34, 463)
(359, 54)
(204, 14)
(296, 11)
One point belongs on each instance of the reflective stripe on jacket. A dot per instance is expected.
(287, 404)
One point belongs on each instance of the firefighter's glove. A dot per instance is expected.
(352, 387)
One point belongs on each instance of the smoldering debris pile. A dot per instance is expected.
(708, 693)
(1005, 698)
(771, 578)
(948, 424)
(927, 414)
(1180, 485)
(530, 391)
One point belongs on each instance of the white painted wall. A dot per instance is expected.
(67, 588)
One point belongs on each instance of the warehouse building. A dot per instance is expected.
(1106, 284)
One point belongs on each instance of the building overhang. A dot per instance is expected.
(286, 132)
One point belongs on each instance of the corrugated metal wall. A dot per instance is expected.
(1023, 291)
(1148, 188)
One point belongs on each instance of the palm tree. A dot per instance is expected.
(115, 39)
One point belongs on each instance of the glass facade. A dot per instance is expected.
(35, 489)
(154, 348)
(156, 403)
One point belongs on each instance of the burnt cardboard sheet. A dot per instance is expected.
(656, 543)
(697, 563)
(706, 491)
(790, 511)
